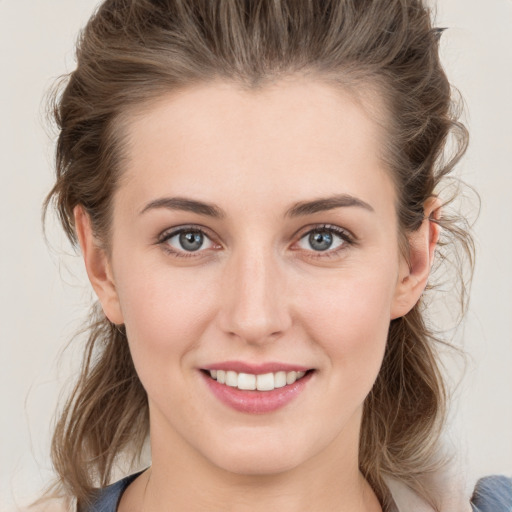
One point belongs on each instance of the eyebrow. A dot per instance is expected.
(327, 203)
(185, 204)
(297, 210)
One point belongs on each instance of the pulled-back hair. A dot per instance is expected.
(134, 51)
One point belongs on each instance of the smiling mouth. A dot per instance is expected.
(253, 382)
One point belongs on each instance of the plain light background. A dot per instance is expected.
(44, 294)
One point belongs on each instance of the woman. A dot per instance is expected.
(254, 187)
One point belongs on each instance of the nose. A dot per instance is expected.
(255, 299)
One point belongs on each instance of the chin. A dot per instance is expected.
(257, 465)
(268, 456)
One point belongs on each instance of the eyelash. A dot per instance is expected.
(346, 237)
(167, 235)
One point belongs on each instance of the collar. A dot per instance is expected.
(406, 500)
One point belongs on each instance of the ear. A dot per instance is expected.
(413, 274)
(98, 267)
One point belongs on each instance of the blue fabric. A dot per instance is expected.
(108, 498)
(491, 494)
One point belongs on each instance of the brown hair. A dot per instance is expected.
(133, 51)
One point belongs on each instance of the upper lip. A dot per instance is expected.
(256, 369)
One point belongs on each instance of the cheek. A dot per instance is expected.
(350, 320)
(164, 313)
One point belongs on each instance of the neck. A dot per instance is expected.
(180, 479)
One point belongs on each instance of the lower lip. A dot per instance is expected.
(257, 402)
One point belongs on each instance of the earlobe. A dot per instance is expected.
(98, 267)
(413, 274)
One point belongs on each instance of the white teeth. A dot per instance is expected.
(232, 379)
(248, 381)
(279, 379)
(265, 382)
(291, 377)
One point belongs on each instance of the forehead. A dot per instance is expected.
(290, 140)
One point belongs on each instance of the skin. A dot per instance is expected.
(256, 291)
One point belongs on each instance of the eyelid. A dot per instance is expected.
(169, 233)
(344, 234)
(337, 230)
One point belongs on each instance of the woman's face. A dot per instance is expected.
(255, 234)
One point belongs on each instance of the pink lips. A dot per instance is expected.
(256, 402)
(256, 369)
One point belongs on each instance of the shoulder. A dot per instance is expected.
(493, 494)
(107, 499)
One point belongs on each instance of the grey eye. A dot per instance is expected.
(323, 239)
(320, 240)
(191, 240)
